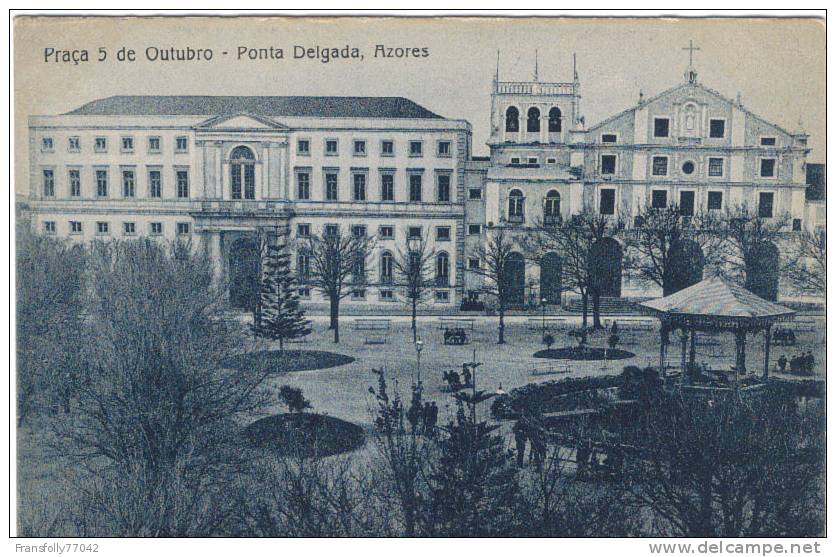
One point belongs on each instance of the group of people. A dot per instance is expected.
(530, 428)
(593, 461)
(458, 382)
(423, 418)
(802, 364)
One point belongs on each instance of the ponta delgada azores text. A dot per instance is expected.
(243, 53)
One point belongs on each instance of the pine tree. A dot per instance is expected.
(277, 315)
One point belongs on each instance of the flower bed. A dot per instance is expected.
(288, 360)
(305, 434)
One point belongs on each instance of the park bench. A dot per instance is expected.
(456, 336)
(376, 330)
(457, 323)
(549, 323)
(551, 369)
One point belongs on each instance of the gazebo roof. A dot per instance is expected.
(717, 302)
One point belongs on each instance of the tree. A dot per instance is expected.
(277, 315)
(414, 267)
(808, 269)
(337, 267)
(293, 398)
(494, 269)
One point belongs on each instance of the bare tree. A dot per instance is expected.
(494, 269)
(414, 268)
(337, 267)
(808, 269)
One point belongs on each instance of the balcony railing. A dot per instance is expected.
(517, 219)
(533, 88)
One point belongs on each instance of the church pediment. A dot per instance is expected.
(241, 122)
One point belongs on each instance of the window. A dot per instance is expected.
(688, 167)
(474, 229)
(304, 292)
(715, 200)
(416, 149)
(442, 269)
(415, 187)
(101, 183)
(181, 144)
(49, 183)
(303, 266)
(442, 296)
(303, 230)
(659, 199)
(358, 272)
(387, 148)
(154, 145)
(551, 161)
(660, 166)
(242, 173)
(303, 185)
(442, 234)
(555, 120)
(715, 167)
(387, 186)
(359, 180)
(102, 228)
(606, 205)
(359, 148)
(515, 160)
(443, 188)
(386, 232)
(332, 230)
(533, 160)
(128, 183)
(551, 207)
(609, 138)
(386, 267)
(533, 121)
(155, 183)
(303, 147)
(156, 228)
(443, 149)
(608, 164)
(512, 119)
(474, 194)
(765, 204)
(716, 128)
(74, 144)
(661, 127)
(49, 227)
(358, 230)
(129, 228)
(182, 184)
(75, 183)
(686, 203)
(183, 228)
(473, 263)
(796, 225)
(768, 141)
(767, 168)
(414, 233)
(387, 295)
(516, 206)
(47, 144)
(100, 145)
(75, 227)
(358, 294)
(331, 147)
(331, 186)
(127, 144)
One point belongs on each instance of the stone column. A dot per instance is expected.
(213, 247)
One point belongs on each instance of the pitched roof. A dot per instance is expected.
(717, 297)
(321, 107)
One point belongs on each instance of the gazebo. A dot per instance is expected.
(713, 305)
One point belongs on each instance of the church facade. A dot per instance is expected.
(221, 170)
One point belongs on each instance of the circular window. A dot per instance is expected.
(688, 167)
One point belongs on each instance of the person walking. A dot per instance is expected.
(520, 430)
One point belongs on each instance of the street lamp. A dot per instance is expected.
(543, 306)
(419, 345)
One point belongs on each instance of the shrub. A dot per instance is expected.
(293, 398)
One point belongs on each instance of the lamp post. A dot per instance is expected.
(419, 345)
(543, 307)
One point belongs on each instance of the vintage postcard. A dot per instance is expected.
(420, 277)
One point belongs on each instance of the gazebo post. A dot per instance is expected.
(683, 338)
(662, 348)
(740, 345)
(767, 340)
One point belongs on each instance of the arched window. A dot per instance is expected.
(516, 206)
(533, 119)
(386, 267)
(442, 269)
(242, 173)
(555, 124)
(512, 119)
(551, 207)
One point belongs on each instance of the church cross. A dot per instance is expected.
(691, 48)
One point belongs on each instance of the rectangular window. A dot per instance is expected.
(442, 296)
(359, 148)
(181, 144)
(686, 203)
(660, 166)
(416, 149)
(444, 149)
(303, 185)
(359, 182)
(606, 205)
(474, 229)
(129, 228)
(768, 141)
(127, 144)
(49, 227)
(49, 183)
(332, 230)
(533, 160)
(766, 201)
(442, 234)
(767, 168)
(128, 183)
(551, 161)
(47, 144)
(75, 227)
(303, 147)
(796, 225)
(74, 144)
(102, 228)
(154, 144)
(387, 187)
(474, 194)
(473, 263)
(659, 199)
(100, 145)
(156, 228)
(661, 127)
(415, 187)
(101, 183)
(358, 294)
(387, 148)
(715, 200)
(386, 232)
(303, 230)
(715, 167)
(182, 184)
(155, 183)
(331, 147)
(358, 230)
(304, 292)
(331, 186)
(75, 183)
(717, 128)
(609, 138)
(387, 295)
(414, 233)
(515, 160)
(443, 188)
(184, 228)
(608, 164)
(303, 267)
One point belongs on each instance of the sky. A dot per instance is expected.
(777, 65)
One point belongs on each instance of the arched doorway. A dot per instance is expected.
(515, 278)
(605, 264)
(550, 270)
(244, 271)
(762, 264)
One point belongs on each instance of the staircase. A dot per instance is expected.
(609, 306)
